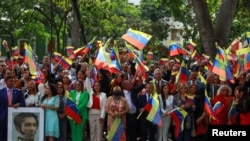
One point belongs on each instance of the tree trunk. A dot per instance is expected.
(75, 34)
(78, 17)
(205, 27)
(224, 21)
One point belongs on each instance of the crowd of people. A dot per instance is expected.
(122, 95)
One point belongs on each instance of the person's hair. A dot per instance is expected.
(8, 77)
(117, 89)
(241, 89)
(157, 69)
(57, 84)
(94, 85)
(53, 91)
(223, 87)
(81, 71)
(34, 85)
(163, 95)
(195, 86)
(19, 119)
(181, 85)
(5, 70)
(243, 103)
(44, 65)
(81, 83)
(67, 75)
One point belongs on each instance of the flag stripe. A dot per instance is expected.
(135, 42)
(72, 111)
(136, 38)
(178, 115)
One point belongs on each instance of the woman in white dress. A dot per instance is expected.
(166, 105)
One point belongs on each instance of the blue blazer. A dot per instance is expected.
(142, 101)
(17, 97)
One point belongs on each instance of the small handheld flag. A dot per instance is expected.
(72, 112)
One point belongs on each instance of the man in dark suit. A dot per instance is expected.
(195, 81)
(158, 81)
(9, 97)
(211, 86)
(130, 94)
(147, 128)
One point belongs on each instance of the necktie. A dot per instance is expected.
(213, 92)
(132, 106)
(158, 87)
(149, 97)
(9, 97)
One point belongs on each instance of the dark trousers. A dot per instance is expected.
(147, 130)
(3, 130)
(131, 127)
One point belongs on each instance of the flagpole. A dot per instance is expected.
(139, 115)
(60, 60)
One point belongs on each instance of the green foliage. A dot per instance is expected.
(110, 18)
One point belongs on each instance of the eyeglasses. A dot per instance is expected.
(3, 65)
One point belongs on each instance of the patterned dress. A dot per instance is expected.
(51, 118)
(120, 106)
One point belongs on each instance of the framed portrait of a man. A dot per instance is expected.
(25, 124)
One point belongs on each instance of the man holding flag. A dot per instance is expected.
(147, 128)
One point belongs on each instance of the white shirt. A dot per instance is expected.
(2, 84)
(132, 108)
(33, 99)
(77, 97)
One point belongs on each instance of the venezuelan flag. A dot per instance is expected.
(103, 61)
(150, 55)
(15, 51)
(201, 78)
(182, 76)
(29, 58)
(176, 49)
(72, 112)
(248, 37)
(195, 56)
(57, 55)
(204, 58)
(116, 130)
(247, 62)
(219, 68)
(217, 108)
(229, 74)
(178, 115)
(191, 45)
(69, 49)
(235, 45)
(220, 53)
(136, 38)
(232, 114)
(189, 99)
(163, 61)
(66, 62)
(154, 114)
(83, 50)
(208, 106)
(114, 56)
